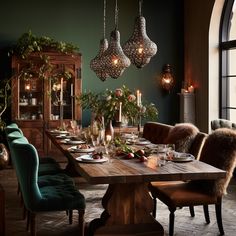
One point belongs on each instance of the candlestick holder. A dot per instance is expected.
(72, 107)
(61, 113)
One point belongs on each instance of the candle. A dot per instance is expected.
(61, 93)
(71, 90)
(108, 138)
(140, 101)
(191, 89)
(120, 111)
(138, 97)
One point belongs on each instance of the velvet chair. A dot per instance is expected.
(49, 173)
(37, 199)
(219, 150)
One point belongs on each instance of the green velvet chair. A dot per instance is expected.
(37, 199)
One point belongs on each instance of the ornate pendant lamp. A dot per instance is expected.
(115, 59)
(97, 63)
(139, 48)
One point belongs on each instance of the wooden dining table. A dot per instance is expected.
(127, 202)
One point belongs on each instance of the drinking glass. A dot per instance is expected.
(111, 152)
(170, 151)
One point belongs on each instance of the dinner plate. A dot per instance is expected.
(57, 131)
(89, 159)
(75, 149)
(68, 141)
(142, 142)
(183, 157)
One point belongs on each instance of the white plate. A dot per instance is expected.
(142, 142)
(75, 149)
(183, 157)
(89, 159)
(57, 131)
(61, 136)
(68, 141)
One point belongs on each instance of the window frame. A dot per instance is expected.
(225, 45)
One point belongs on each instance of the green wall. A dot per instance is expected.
(81, 23)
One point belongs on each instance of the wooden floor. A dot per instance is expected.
(56, 224)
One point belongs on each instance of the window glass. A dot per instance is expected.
(232, 62)
(232, 33)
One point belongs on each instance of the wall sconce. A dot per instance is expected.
(167, 80)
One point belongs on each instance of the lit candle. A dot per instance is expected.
(191, 89)
(120, 111)
(61, 93)
(108, 138)
(71, 90)
(140, 101)
(138, 97)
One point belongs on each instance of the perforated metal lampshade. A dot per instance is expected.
(114, 58)
(139, 48)
(97, 63)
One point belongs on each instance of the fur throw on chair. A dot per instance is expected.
(182, 135)
(219, 150)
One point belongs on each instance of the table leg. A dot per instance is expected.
(127, 212)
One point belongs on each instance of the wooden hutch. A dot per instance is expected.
(40, 82)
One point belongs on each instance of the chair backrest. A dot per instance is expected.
(197, 145)
(222, 123)
(26, 164)
(156, 132)
(12, 127)
(219, 150)
(182, 135)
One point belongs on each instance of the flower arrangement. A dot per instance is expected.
(121, 102)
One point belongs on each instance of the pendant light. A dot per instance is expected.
(139, 48)
(97, 63)
(115, 59)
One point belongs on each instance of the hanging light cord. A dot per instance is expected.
(104, 19)
(140, 7)
(116, 16)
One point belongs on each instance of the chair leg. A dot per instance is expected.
(191, 209)
(32, 224)
(81, 222)
(171, 221)
(219, 217)
(70, 212)
(28, 220)
(206, 213)
(154, 207)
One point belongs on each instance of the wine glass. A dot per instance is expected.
(73, 124)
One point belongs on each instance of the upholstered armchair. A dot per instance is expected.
(219, 150)
(64, 197)
(222, 123)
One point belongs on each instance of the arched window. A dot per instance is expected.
(228, 61)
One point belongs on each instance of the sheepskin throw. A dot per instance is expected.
(182, 135)
(219, 150)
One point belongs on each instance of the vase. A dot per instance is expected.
(109, 131)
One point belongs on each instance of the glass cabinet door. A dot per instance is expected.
(31, 99)
(61, 99)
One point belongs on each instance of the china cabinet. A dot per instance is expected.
(43, 94)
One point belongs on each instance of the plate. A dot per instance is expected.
(142, 142)
(183, 157)
(75, 149)
(68, 141)
(89, 159)
(57, 131)
(61, 136)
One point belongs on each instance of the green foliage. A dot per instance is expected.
(107, 104)
(29, 43)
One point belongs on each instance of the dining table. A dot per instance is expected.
(127, 202)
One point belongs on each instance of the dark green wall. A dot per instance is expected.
(81, 23)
